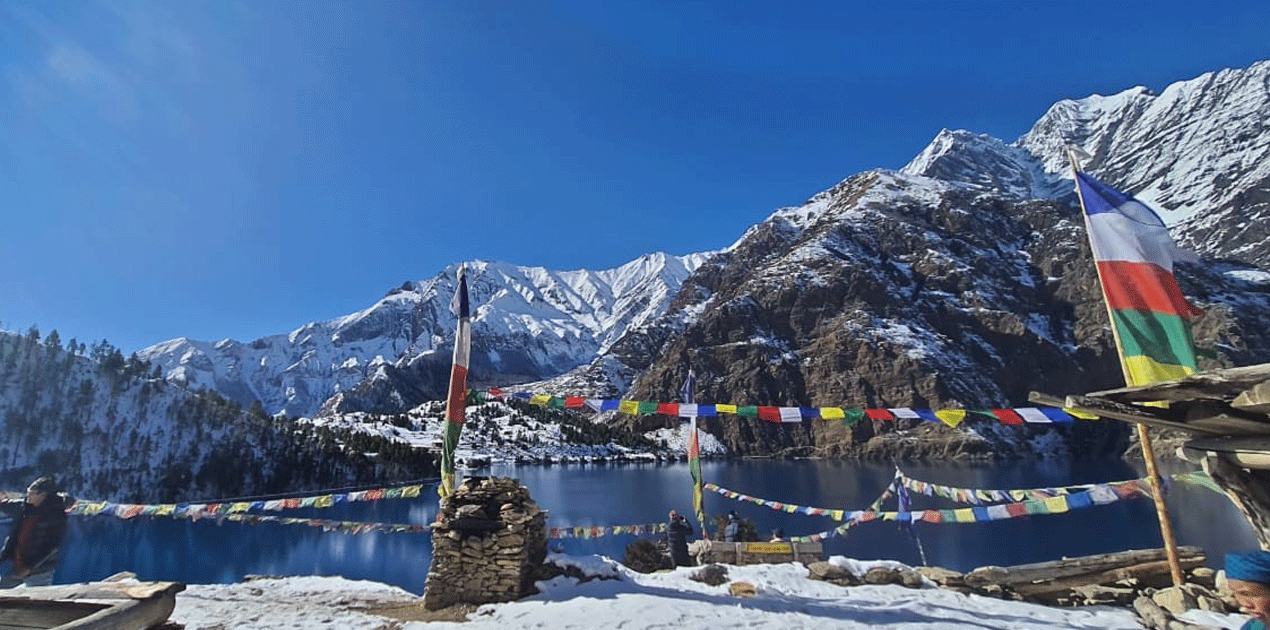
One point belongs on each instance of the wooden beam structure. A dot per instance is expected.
(1227, 411)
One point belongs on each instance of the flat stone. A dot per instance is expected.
(822, 570)
(881, 575)
(942, 576)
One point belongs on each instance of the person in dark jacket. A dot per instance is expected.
(34, 544)
(677, 533)
(733, 528)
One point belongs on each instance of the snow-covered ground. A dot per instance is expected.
(783, 598)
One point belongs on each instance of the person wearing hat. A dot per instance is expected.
(677, 532)
(35, 541)
(1248, 574)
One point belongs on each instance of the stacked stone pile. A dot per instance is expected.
(488, 544)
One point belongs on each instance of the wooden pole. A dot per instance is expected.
(1161, 510)
(1148, 452)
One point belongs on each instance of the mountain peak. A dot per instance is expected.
(984, 162)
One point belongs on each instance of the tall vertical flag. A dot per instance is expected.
(687, 395)
(1135, 257)
(455, 403)
(1149, 316)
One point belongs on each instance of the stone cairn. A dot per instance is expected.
(488, 543)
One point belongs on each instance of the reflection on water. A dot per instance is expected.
(208, 551)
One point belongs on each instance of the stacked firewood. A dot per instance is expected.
(1139, 579)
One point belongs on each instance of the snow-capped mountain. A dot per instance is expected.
(963, 279)
(528, 323)
(1199, 152)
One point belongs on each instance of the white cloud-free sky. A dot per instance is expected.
(237, 169)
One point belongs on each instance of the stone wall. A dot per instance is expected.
(488, 542)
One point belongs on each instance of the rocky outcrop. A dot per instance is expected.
(1109, 581)
(488, 544)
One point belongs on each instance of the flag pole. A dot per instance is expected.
(688, 395)
(456, 400)
(1148, 451)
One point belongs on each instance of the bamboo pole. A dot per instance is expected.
(1148, 452)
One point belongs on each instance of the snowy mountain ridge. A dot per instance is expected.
(527, 320)
(1199, 152)
(961, 279)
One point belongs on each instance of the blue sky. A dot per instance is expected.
(217, 169)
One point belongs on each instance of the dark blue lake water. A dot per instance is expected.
(206, 551)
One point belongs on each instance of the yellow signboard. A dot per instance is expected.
(769, 547)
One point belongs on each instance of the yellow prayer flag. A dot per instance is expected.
(1080, 414)
(1056, 505)
(832, 413)
(628, 406)
(837, 515)
(165, 509)
(324, 501)
(951, 417)
(238, 508)
(411, 492)
(540, 399)
(725, 408)
(964, 515)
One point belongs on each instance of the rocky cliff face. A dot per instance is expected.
(962, 280)
(965, 279)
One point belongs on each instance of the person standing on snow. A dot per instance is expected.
(677, 533)
(34, 544)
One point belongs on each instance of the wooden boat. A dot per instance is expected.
(113, 605)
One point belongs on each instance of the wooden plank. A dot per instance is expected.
(1254, 400)
(1248, 451)
(1159, 568)
(97, 605)
(135, 614)
(1127, 413)
(1070, 567)
(91, 591)
(1228, 424)
(43, 614)
(1220, 384)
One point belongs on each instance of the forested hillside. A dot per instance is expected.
(109, 427)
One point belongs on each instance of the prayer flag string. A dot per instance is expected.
(848, 416)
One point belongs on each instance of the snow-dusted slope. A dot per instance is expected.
(1199, 152)
(528, 321)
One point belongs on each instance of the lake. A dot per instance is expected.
(207, 551)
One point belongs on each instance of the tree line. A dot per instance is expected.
(110, 427)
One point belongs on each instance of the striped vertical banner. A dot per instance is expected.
(455, 403)
(694, 453)
(1135, 257)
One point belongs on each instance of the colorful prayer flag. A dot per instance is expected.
(689, 397)
(1135, 256)
(455, 404)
